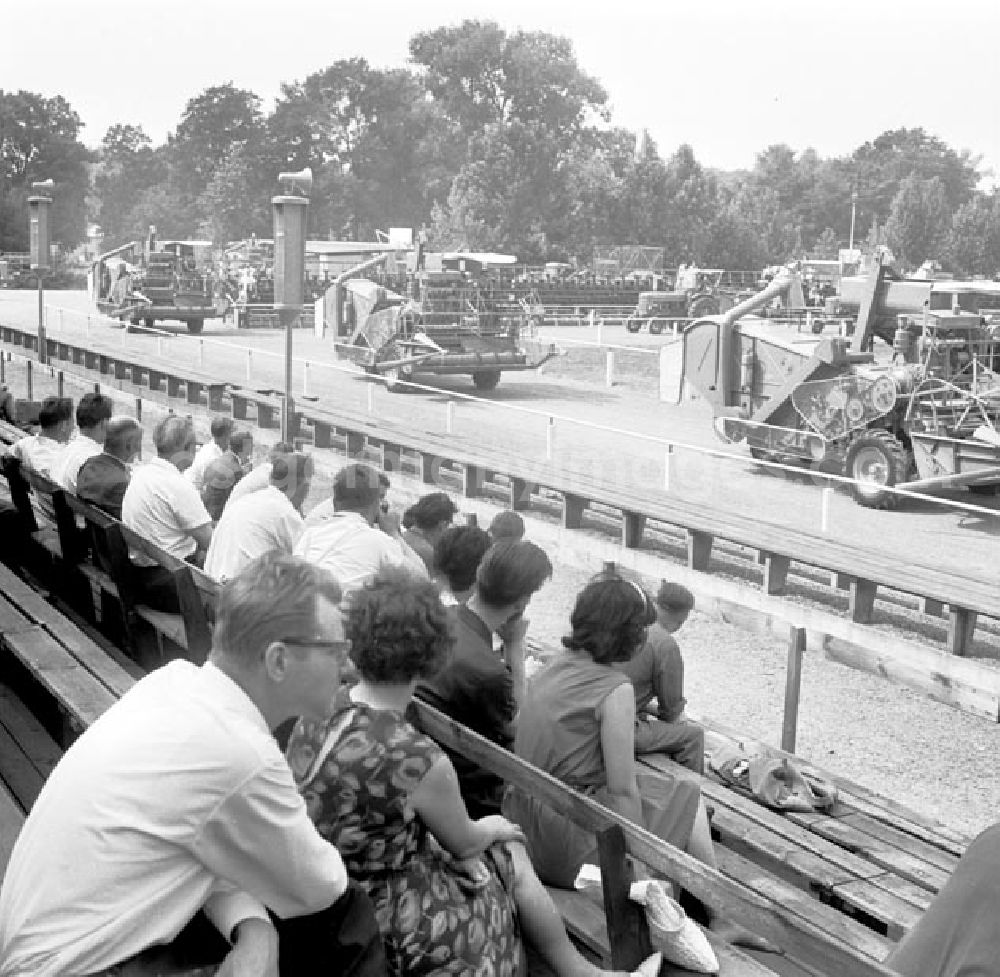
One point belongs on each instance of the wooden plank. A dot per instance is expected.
(961, 625)
(699, 550)
(793, 688)
(628, 932)
(24, 727)
(775, 572)
(862, 600)
(800, 937)
(11, 819)
(899, 839)
(17, 771)
(633, 524)
(82, 695)
(94, 658)
(572, 511)
(839, 928)
(11, 619)
(901, 863)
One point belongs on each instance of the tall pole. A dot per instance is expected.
(854, 203)
(38, 214)
(290, 213)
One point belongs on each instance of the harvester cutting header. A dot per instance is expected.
(924, 414)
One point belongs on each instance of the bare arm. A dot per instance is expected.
(618, 746)
(438, 802)
(202, 535)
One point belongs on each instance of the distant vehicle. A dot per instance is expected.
(168, 280)
(447, 324)
(696, 293)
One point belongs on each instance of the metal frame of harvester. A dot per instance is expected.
(926, 417)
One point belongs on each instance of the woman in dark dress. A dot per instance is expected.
(452, 895)
(578, 724)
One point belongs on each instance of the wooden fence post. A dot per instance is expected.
(793, 686)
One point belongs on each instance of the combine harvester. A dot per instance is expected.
(447, 324)
(923, 415)
(152, 282)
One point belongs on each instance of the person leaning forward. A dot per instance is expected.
(177, 806)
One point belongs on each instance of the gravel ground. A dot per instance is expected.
(936, 759)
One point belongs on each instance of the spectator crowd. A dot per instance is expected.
(276, 806)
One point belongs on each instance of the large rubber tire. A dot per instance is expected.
(149, 323)
(656, 327)
(633, 325)
(196, 325)
(486, 380)
(703, 305)
(876, 461)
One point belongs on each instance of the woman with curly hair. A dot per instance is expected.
(452, 895)
(577, 723)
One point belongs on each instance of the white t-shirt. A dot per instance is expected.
(66, 466)
(162, 505)
(249, 527)
(204, 457)
(256, 479)
(178, 797)
(37, 452)
(320, 513)
(354, 551)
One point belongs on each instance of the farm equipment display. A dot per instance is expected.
(447, 324)
(923, 414)
(696, 294)
(158, 281)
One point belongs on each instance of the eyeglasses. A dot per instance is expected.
(338, 648)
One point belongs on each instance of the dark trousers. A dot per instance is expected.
(683, 742)
(342, 940)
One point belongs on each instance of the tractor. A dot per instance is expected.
(696, 294)
(924, 414)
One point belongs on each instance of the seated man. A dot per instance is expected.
(225, 471)
(359, 538)
(262, 521)
(92, 415)
(221, 428)
(178, 800)
(324, 510)
(39, 451)
(259, 477)
(160, 503)
(480, 687)
(102, 480)
(657, 673)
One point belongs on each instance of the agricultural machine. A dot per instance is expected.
(156, 281)
(696, 294)
(447, 324)
(923, 414)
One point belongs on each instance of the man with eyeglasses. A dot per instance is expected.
(177, 808)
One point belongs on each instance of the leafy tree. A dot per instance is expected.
(882, 165)
(128, 166)
(231, 206)
(39, 140)
(919, 220)
(693, 201)
(214, 123)
(973, 243)
(480, 75)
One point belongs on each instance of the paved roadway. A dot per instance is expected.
(622, 444)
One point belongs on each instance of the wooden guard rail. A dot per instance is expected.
(961, 596)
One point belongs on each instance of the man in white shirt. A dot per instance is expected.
(92, 415)
(259, 477)
(221, 429)
(178, 800)
(262, 521)
(324, 510)
(39, 451)
(160, 503)
(359, 538)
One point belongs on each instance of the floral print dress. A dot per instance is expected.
(437, 915)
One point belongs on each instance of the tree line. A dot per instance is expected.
(489, 141)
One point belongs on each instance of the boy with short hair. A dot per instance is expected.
(657, 673)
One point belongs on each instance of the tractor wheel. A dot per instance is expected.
(876, 461)
(633, 325)
(703, 305)
(196, 325)
(486, 380)
(656, 326)
(148, 322)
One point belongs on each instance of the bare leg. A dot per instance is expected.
(543, 926)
